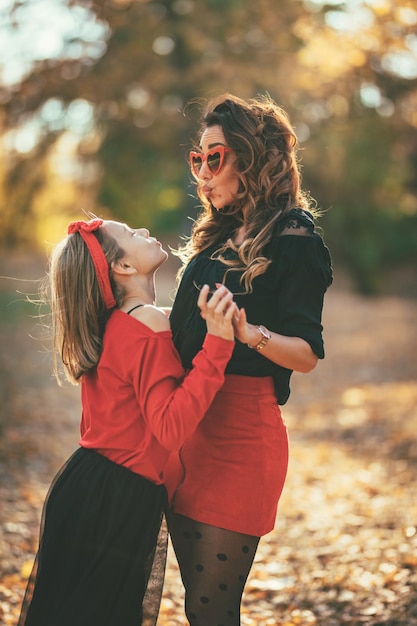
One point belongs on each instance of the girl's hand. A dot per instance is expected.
(218, 311)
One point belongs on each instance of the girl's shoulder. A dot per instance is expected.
(153, 317)
(144, 323)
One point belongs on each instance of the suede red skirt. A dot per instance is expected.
(230, 473)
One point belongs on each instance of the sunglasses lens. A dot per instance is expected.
(196, 163)
(214, 162)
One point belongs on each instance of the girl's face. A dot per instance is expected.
(143, 252)
(220, 188)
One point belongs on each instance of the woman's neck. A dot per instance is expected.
(239, 236)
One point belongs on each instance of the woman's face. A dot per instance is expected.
(219, 188)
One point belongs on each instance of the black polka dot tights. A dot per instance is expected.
(214, 565)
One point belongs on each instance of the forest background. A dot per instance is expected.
(99, 105)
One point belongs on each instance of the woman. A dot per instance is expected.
(256, 235)
(103, 513)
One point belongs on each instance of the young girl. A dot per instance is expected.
(105, 508)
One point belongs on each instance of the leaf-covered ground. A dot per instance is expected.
(344, 551)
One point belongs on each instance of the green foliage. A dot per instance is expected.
(160, 59)
(362, 182)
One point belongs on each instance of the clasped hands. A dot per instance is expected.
(222, 315)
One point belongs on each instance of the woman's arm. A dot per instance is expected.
(292, 353)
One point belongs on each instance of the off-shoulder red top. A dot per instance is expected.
(138, 405)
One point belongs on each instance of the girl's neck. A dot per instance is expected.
(128, 303)
(139, 296)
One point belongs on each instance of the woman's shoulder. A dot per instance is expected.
(296, 222)
(297, 244)
(295, 232)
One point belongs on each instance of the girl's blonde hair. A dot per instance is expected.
(265, 147)
(78, 311)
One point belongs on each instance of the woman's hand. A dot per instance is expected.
(245, 332)
(293, 353)
(218, 311)
(241, 327)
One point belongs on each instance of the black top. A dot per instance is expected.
(287, 299)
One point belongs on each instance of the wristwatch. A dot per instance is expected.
(265, 337)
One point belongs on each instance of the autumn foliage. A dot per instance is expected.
(344, 551)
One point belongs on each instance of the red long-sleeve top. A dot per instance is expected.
(138, 405)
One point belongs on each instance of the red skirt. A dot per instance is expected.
(230, 473)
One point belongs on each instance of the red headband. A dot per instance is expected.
(86, 230)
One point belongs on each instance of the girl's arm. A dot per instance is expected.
(172, 404)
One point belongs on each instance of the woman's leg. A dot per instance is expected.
(214, 564)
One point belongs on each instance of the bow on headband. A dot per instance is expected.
(86, 229)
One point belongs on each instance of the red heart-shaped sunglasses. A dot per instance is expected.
(214, 159)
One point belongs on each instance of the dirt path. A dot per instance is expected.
(344, 551)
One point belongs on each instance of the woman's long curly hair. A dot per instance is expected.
(265, 146)
(78, 311)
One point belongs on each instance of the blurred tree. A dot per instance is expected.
(360, 172)
(121, 81)
(362, 150)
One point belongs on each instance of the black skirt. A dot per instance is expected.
(102, 550)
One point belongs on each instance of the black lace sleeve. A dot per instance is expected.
(297, 220)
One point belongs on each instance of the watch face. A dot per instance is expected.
(264, 332)
(265, 337)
